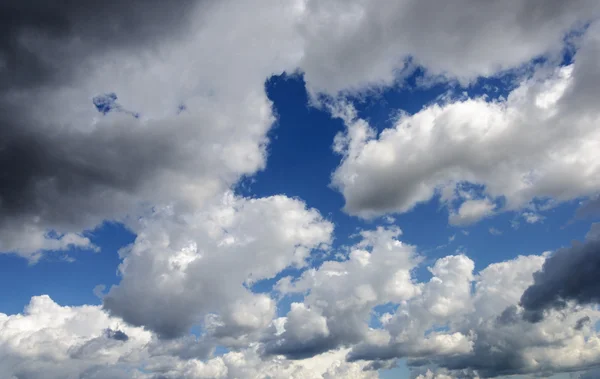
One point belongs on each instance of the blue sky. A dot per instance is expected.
(300, 190)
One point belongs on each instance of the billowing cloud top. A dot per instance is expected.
(151, 113)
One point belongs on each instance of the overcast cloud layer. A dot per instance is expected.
(190, 118)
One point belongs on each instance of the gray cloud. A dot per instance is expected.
(51, 176)
(570, 274)
(66, 166)
(93, 26)
(295, 349)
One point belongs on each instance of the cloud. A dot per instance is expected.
(495, 232)
(67, 167)
(431, 375)
(192, 73)
(453, 330)
(532, 218)
(33, 31)
(350, 45)
(568, 275)
(472, 211)
(341, 294)
(438, 149)
(155, 57)
(172, 275)
(305, 334)
(49, 341)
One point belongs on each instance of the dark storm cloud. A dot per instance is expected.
(69, 180)
(95, 26)
(46, 43)
(571, 274)
(42, 173)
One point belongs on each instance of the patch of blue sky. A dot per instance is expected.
(399, 372)
(199, 332)
(284, 305)
(66, 281)
(380, 310)
(107, 103)
(220, 350)
(266, 285)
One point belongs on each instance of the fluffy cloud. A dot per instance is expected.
(472, 211)
(50, 341)
(536, 144)
(444, 298)
(183, 269)
(482, 333)
(341, 294)
(189, 117)
(441, 323)
(357, 43)
(203, 116)
(431, 375)
(197, 85)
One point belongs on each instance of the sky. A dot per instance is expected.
(302, 189)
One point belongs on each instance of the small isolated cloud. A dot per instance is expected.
(495, 232)
(532, 218)
(472, 211)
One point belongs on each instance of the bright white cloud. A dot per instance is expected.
(471, 211)
(376, 271)
(431, 375)
(182, 269)
(486, 334)
(49, 341)
(532, 145)
(532, 218)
